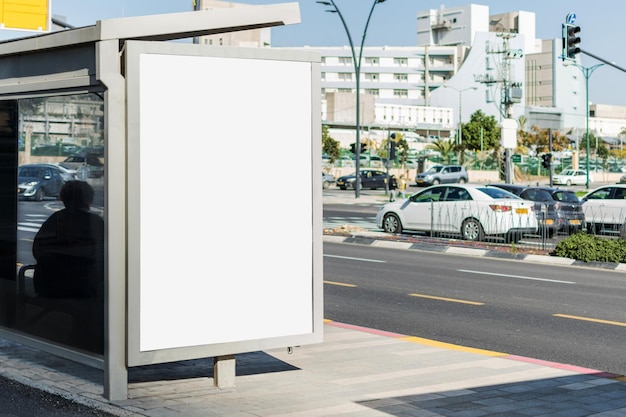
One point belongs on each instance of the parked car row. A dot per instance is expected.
(36, 181)
(507, 210)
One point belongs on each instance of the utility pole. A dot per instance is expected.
(510, 90)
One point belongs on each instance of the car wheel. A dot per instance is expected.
(343, 188)
(472, 230)
(462, 181)
(326, 185)
(568, 183)
(391, 224)
(39, 195)
(436, 181)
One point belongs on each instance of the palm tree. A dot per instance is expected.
(444, 147)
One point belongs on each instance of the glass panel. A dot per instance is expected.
(60, 227)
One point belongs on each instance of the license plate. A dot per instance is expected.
(339, 182)
(548, 221)
(574, 222)
(419, 181)
(521, 211)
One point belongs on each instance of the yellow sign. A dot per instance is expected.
(24, 14)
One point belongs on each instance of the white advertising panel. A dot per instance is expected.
(221, 177)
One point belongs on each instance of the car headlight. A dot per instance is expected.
(30, 184)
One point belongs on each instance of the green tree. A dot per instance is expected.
(330, 146)
(480, 133)
(539, 139)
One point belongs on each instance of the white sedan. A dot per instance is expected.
(471, 210)
(571, 177)
(605, 208)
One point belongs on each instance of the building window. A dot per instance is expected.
(372, 91)
(345, 76)
(402, 62)
(323, 60)
(344, 90)
(400, 77)
(401, 93)
(323, 76)
(345, 60)
(371, 61)
(371, 76)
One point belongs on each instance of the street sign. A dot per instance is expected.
(516, 158)
(570, 18)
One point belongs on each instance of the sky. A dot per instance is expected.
(393, 23)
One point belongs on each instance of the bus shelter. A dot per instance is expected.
(164, 246)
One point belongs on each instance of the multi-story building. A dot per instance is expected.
(465, 60)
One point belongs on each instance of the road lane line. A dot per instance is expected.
(355, 259)
(341, 284)
(614, 323)
(453, 300)
(515, 276)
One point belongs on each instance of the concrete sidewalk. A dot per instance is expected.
(355, 372)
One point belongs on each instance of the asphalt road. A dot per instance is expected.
(19, 400)
(570, 315)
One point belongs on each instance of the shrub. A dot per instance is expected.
(590, 248)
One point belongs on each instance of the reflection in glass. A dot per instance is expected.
(60, 239)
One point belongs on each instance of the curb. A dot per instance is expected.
(370, 239)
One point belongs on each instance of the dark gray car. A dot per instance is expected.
(545, 206)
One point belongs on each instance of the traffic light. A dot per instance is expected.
(547, 160)
(392, 151)
(353, 148)
(570, 41)
(392, 146)
(363, 147)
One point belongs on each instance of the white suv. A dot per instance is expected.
(441, 174)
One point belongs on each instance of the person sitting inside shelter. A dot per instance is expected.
(69, 249)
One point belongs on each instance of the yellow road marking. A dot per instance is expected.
(434, 343)
(614, 323)
(341, 284)
(453, 300)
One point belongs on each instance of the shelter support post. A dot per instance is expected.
(224, 371)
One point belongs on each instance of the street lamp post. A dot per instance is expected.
(459, 137)
(357, 72)
(587, 71)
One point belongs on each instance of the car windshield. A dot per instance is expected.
(568, 197)
(495, 192)
(538, 195)
(568, 172)
(28, 172)
(434, 169)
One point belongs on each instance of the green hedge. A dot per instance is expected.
(590, 248)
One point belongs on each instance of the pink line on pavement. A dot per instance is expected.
(565, 367)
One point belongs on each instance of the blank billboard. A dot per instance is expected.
(221, 184)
